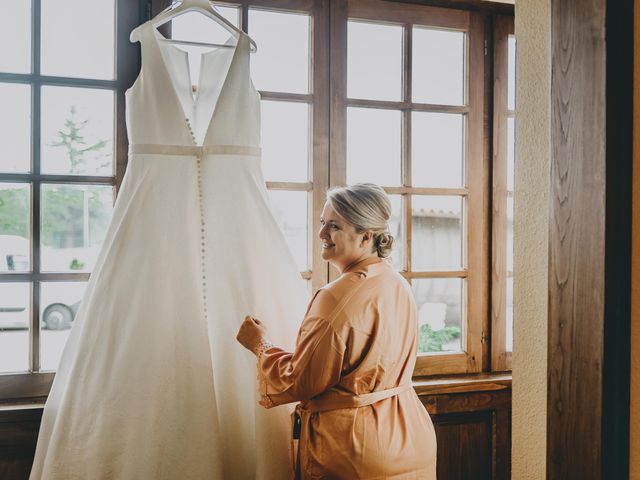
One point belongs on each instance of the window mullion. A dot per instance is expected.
(36, 48)
(406, 140)
(319, 136)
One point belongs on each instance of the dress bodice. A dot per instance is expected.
(160, 107)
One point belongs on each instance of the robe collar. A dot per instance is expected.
(362, 267)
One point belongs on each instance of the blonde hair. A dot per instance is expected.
(366, 206)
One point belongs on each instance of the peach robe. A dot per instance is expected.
(355, 351)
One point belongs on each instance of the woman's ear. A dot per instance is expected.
(366, 236)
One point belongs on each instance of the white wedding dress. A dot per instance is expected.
(152, 383)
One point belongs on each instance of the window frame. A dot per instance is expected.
(327, 99)
(501, 358)
(34, 384)
(472, 358)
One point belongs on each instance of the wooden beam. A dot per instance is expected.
(474, 5)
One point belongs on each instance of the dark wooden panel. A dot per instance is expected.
(576, 241)
(467, 402)
(502, 444)
(15, 468)
(464, 445)
(18, 436)
(473, 430)
(589, 279)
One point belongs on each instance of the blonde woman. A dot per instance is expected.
(351, 370)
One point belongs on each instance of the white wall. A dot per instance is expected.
(531, 234)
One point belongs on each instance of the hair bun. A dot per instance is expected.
(384, 244)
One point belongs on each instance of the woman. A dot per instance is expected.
(352, 365)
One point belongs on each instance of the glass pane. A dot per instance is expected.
(15, 36)
(196, 27)
(511, 152)
(77, 131)
(438, 66)
(440, 314)
(74, 42)
(15, 312)
(510, 234)
(59, 304)
(373, 146)
(74, 221)
(396, 225)
(437, 233)
(281, 63)
(509, 330)
(15, 200)
(376, 76)
(290, 211)
(509, 309)
(437, 146)
(285, 141)
(511, 73)
(15, 127)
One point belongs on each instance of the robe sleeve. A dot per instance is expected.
(313, 367)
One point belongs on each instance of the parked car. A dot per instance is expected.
(56, 316)
(59, 316)
(61, 301)
(13, 318)
(14, 253)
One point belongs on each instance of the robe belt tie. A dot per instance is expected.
(193, 150)
(333, 401)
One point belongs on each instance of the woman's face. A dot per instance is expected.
(341, 244)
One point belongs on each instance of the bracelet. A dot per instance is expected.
(262, 347)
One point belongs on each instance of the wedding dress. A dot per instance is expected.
(152, 383)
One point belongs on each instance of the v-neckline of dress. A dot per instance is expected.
(156, 34)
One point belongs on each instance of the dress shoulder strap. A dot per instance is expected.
(136, 33)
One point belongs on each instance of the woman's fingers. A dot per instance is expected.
(251, 332)
(249, 318)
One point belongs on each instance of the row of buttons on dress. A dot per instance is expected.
(193, 137)
(202, 223)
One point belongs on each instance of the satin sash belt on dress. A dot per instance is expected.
(193, 150)
(333, 401)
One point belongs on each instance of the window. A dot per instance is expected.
(503, 185)
(412, 118)
(62, 155)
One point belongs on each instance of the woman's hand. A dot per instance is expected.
(251, 333)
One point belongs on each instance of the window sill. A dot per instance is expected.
(13, 407)
(462, 384)
(423, 386)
